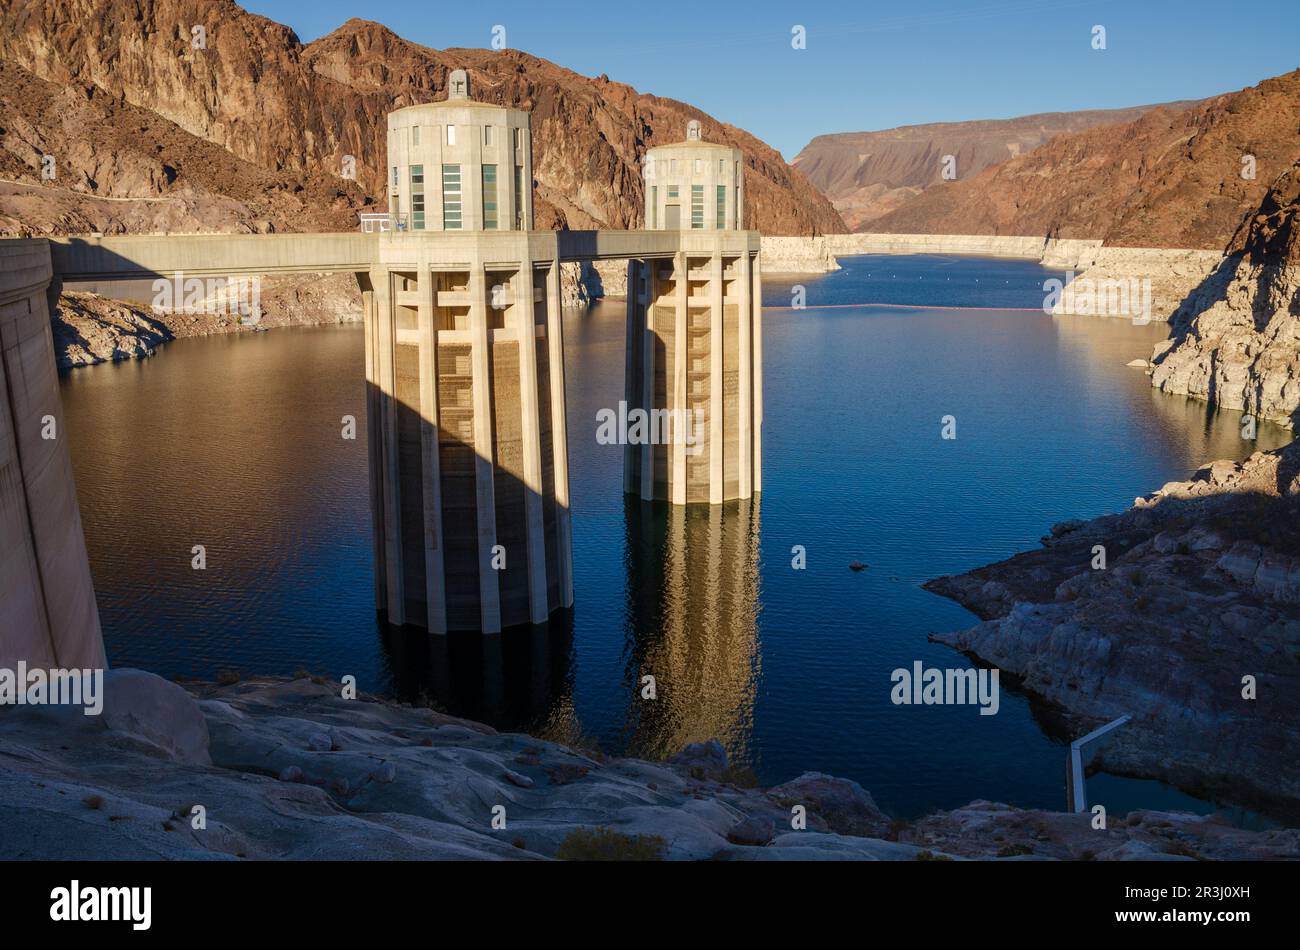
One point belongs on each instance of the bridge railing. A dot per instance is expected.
(377, 221)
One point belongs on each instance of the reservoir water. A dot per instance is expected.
(235, 443)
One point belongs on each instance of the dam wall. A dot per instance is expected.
(48, 616)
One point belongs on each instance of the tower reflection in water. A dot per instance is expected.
(691, 622)
(693, 595)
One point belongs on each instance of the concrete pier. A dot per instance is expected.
(694, 330)
(468, 459)
(48, 616)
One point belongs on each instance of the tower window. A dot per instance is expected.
(451, 135)
(520, 197)
(489, 197)
(417, 197)
(489, 135)
(697, 206)
(654, 207)
(699, 166)
(722, 207)
(451, 212)
(415, 135)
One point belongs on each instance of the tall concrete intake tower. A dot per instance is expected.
(695, 337)
(465, 373)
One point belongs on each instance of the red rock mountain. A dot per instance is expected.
(868, 174)
(1171, 178)
(289, 112)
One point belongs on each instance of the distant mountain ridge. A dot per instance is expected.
(868, 174)
(1172, 178)
(291, 111)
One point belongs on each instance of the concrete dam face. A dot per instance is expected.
(468, 452)
(48, 617)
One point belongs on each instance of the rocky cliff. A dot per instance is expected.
(1169, 179)
(868, 174)
(131, 79)
(1197, 588)
(1236, 338)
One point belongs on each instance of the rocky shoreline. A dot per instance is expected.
(290, 769)
(1200, 590)
(91, 328)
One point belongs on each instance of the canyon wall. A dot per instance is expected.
(1236, 339)
(254, 128)
(1176, 178)
(868, 174)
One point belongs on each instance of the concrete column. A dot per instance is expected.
(758, 374)
(559, 432)
(534, 526)
(390, 470)
(648, 381)
(485, 497)
(435, 581)
(745, 380)
(677, 385)
(716, 341)
(374, 440)
(630, 397)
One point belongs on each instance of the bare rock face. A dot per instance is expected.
(1236, 339)
(89, 328)
(257, 93)
(1200, 590)
(868, 174)
(1169, 179)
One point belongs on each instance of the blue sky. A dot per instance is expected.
(866, 65)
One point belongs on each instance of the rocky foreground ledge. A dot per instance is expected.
(1200, 589)
(291, 770)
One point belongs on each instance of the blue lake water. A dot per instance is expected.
(233, 442)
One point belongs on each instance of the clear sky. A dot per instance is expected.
(866, 65)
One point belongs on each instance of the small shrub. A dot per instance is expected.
(1013, 849)
(93, 802)
(606, 844)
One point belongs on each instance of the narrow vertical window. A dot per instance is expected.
(654, 207)
(415, 135)
(451, 215)
(451, 135)
(417, 197)
(520, 197)
(489, 135)
(722, 207)
(697, 206)
(489, 197)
